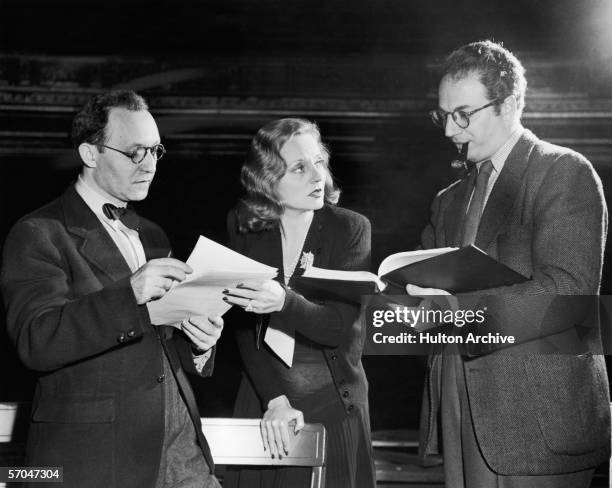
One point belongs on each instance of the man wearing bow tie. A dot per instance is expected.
(112, 403)
(516, 416)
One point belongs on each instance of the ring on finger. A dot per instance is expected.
(249, 307)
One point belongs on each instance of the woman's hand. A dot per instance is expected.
(257, 296)
(275, 425)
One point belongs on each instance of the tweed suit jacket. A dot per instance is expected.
(98, 407)
(533, 412)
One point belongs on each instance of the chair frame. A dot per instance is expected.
(237, 442)
(232, 441)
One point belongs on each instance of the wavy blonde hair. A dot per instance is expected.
(263, 168)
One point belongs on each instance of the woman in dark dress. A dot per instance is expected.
(288, 220)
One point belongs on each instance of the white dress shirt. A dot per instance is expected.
(126, 239)
(499, 160)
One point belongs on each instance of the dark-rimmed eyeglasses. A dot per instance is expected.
(460, 117)
(137, 156)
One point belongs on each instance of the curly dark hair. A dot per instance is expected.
(500, 71)
(263, 168)
(89, 125)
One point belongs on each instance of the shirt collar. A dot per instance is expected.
(94, 200)
(499, 158)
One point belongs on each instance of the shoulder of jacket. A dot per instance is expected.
(345, 217)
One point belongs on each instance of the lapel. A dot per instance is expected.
(455, 216)
(153, 241)
(266, 246)
(96, 246)
(504, 193)
(314, 241)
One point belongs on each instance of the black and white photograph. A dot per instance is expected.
(300, 244)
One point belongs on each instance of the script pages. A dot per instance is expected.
(351, 285)
(456, 270)
(215, 267)
(401, 259)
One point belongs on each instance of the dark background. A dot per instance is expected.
(215, 71)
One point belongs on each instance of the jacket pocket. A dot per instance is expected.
(571, 401)
(75, 411)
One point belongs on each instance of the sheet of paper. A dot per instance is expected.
(340, 275)
(208, 254)
(216, 267)
(281, 343)
(401, 259)
(187, 302)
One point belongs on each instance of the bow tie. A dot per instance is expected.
(126, 215)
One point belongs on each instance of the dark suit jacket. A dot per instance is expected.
(98, 408)
(338, 239)
(545, 218)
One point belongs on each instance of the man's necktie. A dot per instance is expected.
(126, 215)
(472, 217)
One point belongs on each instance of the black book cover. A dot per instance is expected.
(340, 290)
(461, 271)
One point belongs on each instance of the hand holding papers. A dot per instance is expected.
(215, 267)
(261, 298)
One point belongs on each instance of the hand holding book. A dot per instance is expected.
(442, 298)
(451, 270)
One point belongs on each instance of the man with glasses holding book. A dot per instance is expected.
(512, 416)
(112, 404)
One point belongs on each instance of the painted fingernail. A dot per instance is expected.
(239, 285)
(225, 299)
(225, 292)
